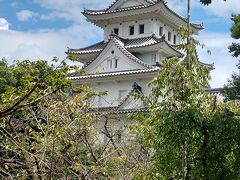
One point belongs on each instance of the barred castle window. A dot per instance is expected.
(169, 36)
(174, 39)
(131, 30)
(160, 31)
(116, 31)
(141, 29)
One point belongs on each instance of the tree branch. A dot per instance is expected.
(5, 112)
(110, 137)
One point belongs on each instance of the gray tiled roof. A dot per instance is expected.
(120, 45)
(128, 54)
(111, 74)
(128, 44)
(108, 11)
(214, 91)
(140, 42)
(148, 1)
(115, 110)
(118, 110)
(89, 49)
(151, 3)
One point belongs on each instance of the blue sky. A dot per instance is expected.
(41, 29)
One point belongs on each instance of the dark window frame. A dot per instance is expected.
(116, 31)
(160, 31)
(169, 36)
(116, 63)
(174, 39)
(141, 28)
(131, 30)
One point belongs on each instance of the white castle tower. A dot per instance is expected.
(138, 34)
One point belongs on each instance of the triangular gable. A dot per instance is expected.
(127, 3)
(131, 103)
(114, 52)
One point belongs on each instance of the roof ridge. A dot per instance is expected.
(148, 1)
(125, 99)
(128, 43)
(154, 2)
(130, 94)
(130, 55)
(90, 62)
(114, 2)
(109, 74)
(122, 49)
(211, 66)
(81, 49)
(117, 10)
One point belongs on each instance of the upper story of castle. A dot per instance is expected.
(131, 19)
(145, 30)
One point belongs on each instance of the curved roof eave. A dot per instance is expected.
(113, 74)
(210, 66)
(129, 48)
(123, 50)
(157, 43)
(87, 13)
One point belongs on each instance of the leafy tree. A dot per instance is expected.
(235, 30)
(191, 134)
(23, 85)
(232, 90)
(206, 2)
(52, 133)
(27, 82)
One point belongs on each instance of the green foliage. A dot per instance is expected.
(47, 130)
(206, 2)
(6, 76)
(235, 49)
(189, 131)
(59, 139)
(26, 82)
(235, 30)
(231, 91)
(40, 139)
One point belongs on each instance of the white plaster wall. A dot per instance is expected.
(167, 29)
(148, 57)
(113, 88)
(161, 57)
(124, 29)
(151, 27)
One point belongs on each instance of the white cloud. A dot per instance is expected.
(25, 15)
(4, 25)
(223, 8)
(179, 6)
(70, 9)
(218, 8)
(224, 63)
(45, 44)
